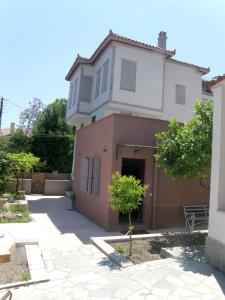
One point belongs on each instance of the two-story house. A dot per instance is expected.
(119, 98)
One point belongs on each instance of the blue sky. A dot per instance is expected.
(39, 39)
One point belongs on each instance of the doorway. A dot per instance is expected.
(136, 168)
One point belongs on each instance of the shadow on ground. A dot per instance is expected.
(58, 210)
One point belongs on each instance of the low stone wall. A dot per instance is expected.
(56, 187)
(214, 251)
(26, 186)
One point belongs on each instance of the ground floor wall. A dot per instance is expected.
(112, 140)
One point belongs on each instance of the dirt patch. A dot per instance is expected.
(149, 249)
(15, 270)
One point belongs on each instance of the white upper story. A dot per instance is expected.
(126, 76)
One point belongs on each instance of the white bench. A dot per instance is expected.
(196, 215)
(6, 295)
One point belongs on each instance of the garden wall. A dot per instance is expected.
(56, 187)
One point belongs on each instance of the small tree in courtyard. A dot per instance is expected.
(126, 194)
(22, 163)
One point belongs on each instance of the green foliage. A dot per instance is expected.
(15, 214)
(126, 193)
(53, 138)
(55, 151)
(184, 151)
(120, 248)
(53, 120)
(19, 142)
(26, 276)
(22, 163)
(4, 143)
(5, 171)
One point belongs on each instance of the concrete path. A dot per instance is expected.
(80, 271)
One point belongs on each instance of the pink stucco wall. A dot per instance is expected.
(163, 204)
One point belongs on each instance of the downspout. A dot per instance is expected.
(154, 192)
(163, 85)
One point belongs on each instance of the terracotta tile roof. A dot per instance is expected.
(127, 41)
(200, 69)
(214, 81)
(120, 39)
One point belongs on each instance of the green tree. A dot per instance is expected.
(126, 194)
(5, 171)
(184, 151)
(53, 119)
(29, 116)
(53, 138)
(19, 142)
(22, 163)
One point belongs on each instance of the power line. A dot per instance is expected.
(21, 108)
(1, 109)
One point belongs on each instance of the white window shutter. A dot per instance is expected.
(128, 75)
(96, 185)
(89, 176)
(82, 178)
(180, 94)
(105, 76)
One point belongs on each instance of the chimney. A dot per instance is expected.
(162, 40)
(12, 128)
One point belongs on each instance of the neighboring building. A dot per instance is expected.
(8, 131)
(215, 245)
(132, 89)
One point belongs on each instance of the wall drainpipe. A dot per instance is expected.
(154, 198)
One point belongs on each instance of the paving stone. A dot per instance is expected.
(78, 270)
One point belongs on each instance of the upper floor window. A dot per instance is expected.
(97, 84)
(128, 75)
(180, 94)
(70, 96)
(74, 95)
(105, 76)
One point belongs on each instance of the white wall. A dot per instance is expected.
(149, 77)
(70, 111)
(103, 97)
(217, 193)
(176, 73)
(155, 95)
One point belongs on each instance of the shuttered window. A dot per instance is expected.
(128, 75)
(90, 175)
(105, 76)
(70, 96)
(97, 83)
(75, 86)
(180, 94)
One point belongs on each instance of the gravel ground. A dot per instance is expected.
(13, 271)
(149, 249)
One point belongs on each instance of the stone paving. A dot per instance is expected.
(78, 270)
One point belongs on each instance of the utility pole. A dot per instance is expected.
(1, 110)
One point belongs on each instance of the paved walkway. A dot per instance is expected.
(78, 270)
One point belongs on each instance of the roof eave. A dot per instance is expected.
(111, 37)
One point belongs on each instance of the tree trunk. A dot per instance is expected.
(130, 234)
(17, 183)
